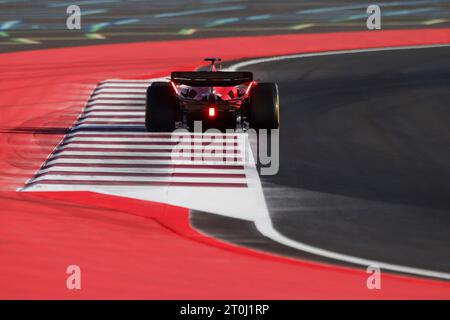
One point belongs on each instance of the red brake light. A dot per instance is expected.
(174, 87)
(249, 87)
(211, 112)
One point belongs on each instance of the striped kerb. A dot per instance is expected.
(108, 146)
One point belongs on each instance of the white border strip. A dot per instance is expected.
(246, 63)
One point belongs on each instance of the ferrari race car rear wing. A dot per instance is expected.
(211, 79)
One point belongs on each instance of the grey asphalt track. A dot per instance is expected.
(364, 156)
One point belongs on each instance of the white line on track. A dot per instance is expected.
(137, 163)
(122, 102)
(246, 63)
(142, 86)
(104, 111)
(120, 107)
(263, 221)
(134, 179)
(113, 90)
(170, 148)
(111, 125)
(125, 81)
(133, 155)
(185, 137)
(168, 141)
(97, 96)
(140, 170)
(116, 118)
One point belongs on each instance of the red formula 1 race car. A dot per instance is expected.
(220, 99)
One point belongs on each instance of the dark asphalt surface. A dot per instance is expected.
(364, 155)
(38, 24)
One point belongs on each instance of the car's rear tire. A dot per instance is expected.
(161, 108)
(264, 108)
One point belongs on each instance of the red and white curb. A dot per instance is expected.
(108, 151)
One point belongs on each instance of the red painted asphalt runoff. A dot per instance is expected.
(133, 249)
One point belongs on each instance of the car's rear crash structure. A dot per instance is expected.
(220, 99)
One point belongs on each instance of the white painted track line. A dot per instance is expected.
(75, 168)
(140, 162)
(121, 102)
(119, 90)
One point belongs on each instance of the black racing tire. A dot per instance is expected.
(161, 108)
(264, 108)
